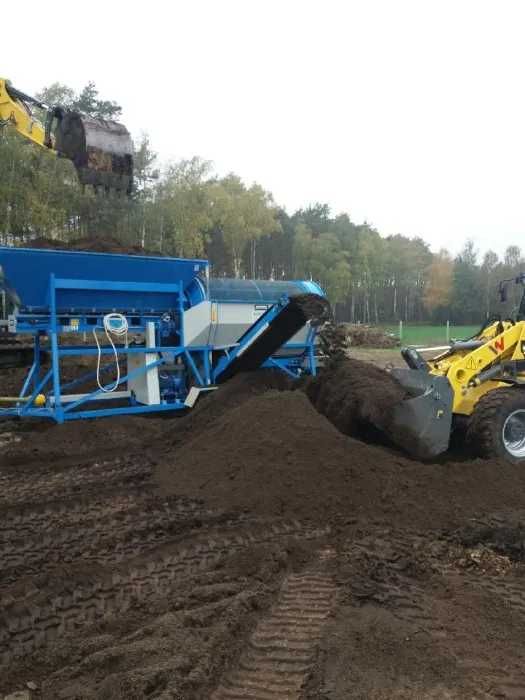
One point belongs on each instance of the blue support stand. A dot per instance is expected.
(62, 306)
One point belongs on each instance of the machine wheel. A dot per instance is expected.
(497, 426)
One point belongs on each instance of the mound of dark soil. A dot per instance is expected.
(268, 454)
(214, 405)
(158, 595)
(273, 454)
(44, 440)
(369, 336)
(357, 397)
(92, 244)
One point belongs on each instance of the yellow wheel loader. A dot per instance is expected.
(476, 385)
(101, 150)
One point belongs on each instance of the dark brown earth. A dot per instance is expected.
(357, 397)
(92, 244)
(251, 550)
(369, 336)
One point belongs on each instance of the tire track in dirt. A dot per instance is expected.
(62, 485)
(282, 649)
(103, 541)
(31, 620)
(511, 592)
(21, 522)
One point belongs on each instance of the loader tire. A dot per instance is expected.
(489, 434)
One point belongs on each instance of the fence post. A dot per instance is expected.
(400, 331)
(448, 332)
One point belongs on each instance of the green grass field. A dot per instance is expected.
(431, 335)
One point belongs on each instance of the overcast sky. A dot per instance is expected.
(409, 114)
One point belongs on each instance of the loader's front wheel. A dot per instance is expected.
(497, 426)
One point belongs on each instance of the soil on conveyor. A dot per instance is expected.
(250, 549)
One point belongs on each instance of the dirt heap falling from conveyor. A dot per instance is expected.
(231, 395)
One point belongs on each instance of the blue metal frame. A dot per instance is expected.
(54, 319)
(53, 323)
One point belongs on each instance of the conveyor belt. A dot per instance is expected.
(270, 332)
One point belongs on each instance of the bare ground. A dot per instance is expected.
(250, 550)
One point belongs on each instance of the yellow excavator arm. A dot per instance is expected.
(101, 150)
(15, 113)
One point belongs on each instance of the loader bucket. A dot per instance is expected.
(422, 423)
(101, 150)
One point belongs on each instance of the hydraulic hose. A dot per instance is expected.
(114, 325)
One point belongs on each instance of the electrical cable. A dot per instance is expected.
(114, 325)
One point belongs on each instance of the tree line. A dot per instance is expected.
(186, 210)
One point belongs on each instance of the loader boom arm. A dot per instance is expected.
(474, 373)
(15, 113)
(101, 150)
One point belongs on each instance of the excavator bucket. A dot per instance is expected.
(422, 423)
(101, 150)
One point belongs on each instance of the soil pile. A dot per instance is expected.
(112, 587)
(369, 336)
(334, 340)
(22, 443)
(213, 405)
(274, 454)
(91, 244)
(357, 397)
(337, 338)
